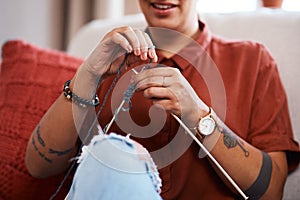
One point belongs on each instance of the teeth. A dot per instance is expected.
(163, 7)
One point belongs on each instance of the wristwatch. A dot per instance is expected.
(206, 125)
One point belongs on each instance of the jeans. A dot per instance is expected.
(115, 167)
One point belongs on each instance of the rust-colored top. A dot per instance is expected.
(240, 81)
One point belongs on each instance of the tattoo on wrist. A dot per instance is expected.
(42, 143)
(231, 140)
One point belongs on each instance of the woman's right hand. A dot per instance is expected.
(105, 59)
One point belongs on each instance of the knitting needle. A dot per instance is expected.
(211, 157)
(194, 138)
(114, 117)
(207, 152)
(129, 92)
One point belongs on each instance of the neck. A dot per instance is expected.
(169, 42)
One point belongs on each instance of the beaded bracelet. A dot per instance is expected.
(76, 99)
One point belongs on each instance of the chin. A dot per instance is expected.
(163, 23)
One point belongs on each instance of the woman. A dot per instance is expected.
(186, 83)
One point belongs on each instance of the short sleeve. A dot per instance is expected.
(270, 125)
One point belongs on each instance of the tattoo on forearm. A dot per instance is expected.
(40, 139)
(43, 144)
(59, 153)
(39, 152)
(231, 140)
(262, 182)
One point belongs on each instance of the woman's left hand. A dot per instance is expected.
(167, 87)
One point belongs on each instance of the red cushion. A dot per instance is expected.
(31, 79)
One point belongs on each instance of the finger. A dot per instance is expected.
(158, 93)
(133, 59)
(152, 81)
(156, 71)
(116, 36)
(133, 39)
(143, 44)
(160, 70)
(119, 39)
(168, 105)
(163, 97)
(151, 48)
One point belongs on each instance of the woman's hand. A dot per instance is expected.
(167, 87)
(105, 59)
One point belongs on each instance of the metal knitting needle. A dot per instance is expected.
(114, 117)
(131, 88)
(211, 157)
(127, 95)
(208, 153)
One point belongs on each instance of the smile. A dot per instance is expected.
(162, 6)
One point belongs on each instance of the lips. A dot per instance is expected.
(162, 6)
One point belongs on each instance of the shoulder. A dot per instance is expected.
(246, 51)
(250, 46)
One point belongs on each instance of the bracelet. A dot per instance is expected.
(76, 99)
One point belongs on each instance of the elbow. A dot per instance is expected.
(276, 188)
(35, 167)
(40, 168)
(273, 194)
(271, 179)
(34, 170)
(36, 174)
(39, 171)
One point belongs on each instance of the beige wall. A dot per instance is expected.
(36, 21)
(40, 21)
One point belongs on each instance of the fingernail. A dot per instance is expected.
(144, 56)
(151, 53)
(137, 51)
(155, 58)
(129, 49)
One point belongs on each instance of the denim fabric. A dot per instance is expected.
(115, 167)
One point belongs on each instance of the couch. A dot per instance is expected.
(31, 79)
(278, 30)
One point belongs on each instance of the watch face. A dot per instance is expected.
(207, 126)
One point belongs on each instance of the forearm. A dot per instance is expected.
(54, 140)
(59, 128)
(52, 143)
(244, 163)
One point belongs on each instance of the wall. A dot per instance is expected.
(36, 21)
(40, 21)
